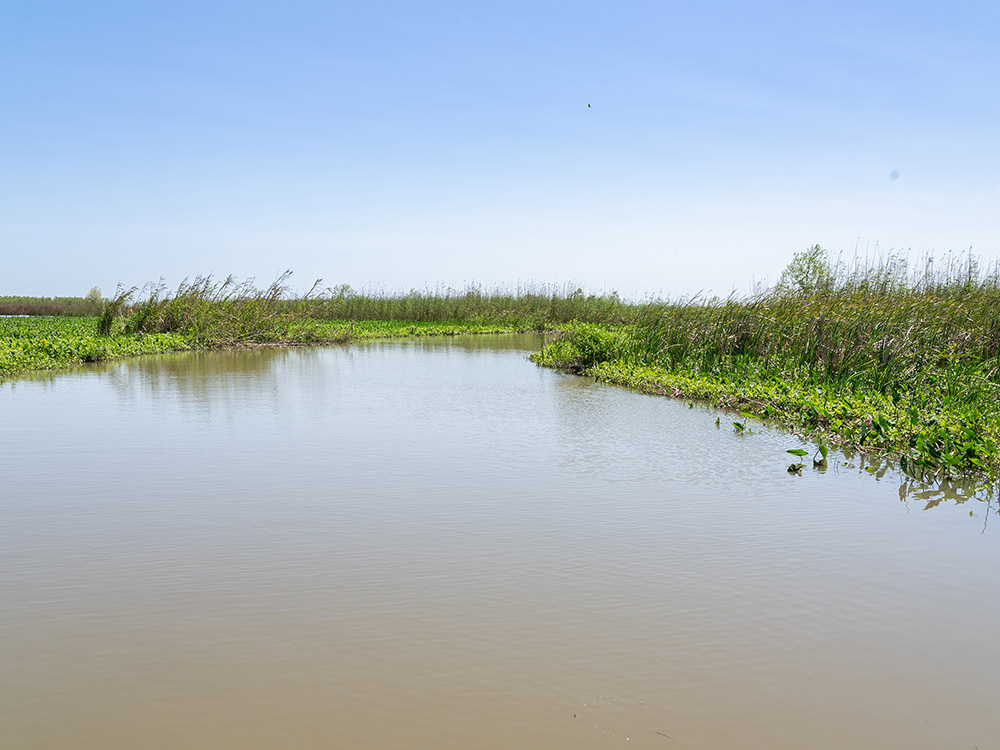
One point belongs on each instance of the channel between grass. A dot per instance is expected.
(877, 358)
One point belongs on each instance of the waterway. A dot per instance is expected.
(435, 544)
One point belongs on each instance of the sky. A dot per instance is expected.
(432, 145)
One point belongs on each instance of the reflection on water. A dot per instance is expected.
(927, 490)
(436, 544)
(212, 382)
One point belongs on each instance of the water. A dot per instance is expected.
(437, 544)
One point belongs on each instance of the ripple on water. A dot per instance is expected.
(438, 544)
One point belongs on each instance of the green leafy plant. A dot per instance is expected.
(822, 451)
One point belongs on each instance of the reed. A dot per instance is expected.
(90, 305)
(230, 312)
(877, 355)
(531, 307)
(872, 356)
(210, 313)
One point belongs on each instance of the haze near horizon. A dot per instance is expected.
(645, 148)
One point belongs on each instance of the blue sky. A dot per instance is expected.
(395, 145)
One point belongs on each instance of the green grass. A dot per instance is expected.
(345, 331)
(229, 311)
(532, 308)
(876, 360)
(49, 343)
(38, 343)
(205, 314)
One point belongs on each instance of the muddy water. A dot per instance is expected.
(437, 544)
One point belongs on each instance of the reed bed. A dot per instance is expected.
(92, 304)
(872, 357)
(210, 313)
(231, 312)
(876, 356)
(535, 307)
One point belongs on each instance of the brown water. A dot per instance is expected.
(435, 544)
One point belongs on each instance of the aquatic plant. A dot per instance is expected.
(877, 356)
(44, 343)
(50, 342)
(210, 312)
(870, 357)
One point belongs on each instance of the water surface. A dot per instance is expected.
(434, 543)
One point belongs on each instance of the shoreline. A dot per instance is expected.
(36, 343)
(924, 444)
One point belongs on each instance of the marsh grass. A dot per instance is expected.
(528, 308)
(231, 312)
(876, 356)
(48, 343)
(209, 312)
(87, 306)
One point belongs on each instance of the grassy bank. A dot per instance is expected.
(878, 361)
(38, 343)
(205, 314)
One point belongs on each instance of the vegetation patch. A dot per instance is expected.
(46, 343)
(36, 343)
(879, 358)
(92, 304)
(874, 359)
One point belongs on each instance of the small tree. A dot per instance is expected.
(809, 273)
(93, 302)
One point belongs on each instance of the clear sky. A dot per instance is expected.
(400, 145)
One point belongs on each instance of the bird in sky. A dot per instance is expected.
(588, 104)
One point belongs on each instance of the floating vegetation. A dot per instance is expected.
(47, 343)
(822, 451)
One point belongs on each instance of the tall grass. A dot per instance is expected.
(238, 312)
(881, 356)
(90, 305)
(872, 354)
(209, 312)
(874, 327)
(886, 340)
(528, 308)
